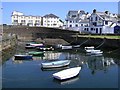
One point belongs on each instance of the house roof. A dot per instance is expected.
(73, 11)
(106, 17)
(51, 16)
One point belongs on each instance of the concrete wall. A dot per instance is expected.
(32, 33)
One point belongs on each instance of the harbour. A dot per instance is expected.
(96, 71)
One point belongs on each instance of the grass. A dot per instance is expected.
(101, 36)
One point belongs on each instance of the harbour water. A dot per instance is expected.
(96, 71)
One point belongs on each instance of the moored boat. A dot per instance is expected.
(89, 49)
(66, 47)
(54, 64)
(45, 48)
(36, 45)
(67, 73)
(96, 52)
(29, 47)
(35, 53)
(23, 57)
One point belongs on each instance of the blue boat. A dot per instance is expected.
(23, 57)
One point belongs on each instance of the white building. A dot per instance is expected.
(101, 23)
(76, 19)
(51, 20)
(19, 18)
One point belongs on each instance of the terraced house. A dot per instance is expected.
(49, 20)
(19, 18)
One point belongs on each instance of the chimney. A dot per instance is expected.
(106, 12)
(94, 11)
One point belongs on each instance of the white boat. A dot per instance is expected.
(55, 64)
(67, 73)
(89, 49)
(96, 52)
(36, 44)
(66, 47)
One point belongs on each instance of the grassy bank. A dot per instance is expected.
(100, 36)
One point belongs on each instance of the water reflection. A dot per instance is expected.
(99, 63)
(69, 81)
(54, 69)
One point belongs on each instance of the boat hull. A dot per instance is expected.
(29, 47)
(55, 64)
(36, 53)
(67, 74)
(23, 57)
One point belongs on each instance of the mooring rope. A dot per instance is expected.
(101, 44)
(112, 51)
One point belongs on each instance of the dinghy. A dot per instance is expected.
(37, 45)
(54, 64)
(67, 73)
(23, 57)
(35, 53)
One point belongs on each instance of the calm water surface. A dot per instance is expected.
(96, 72)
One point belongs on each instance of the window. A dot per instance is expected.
(100, 30)
(15, 20)
(106, 22)
(91, 19)
(96, 18)
(70, 25)
(23, 21)
(70, 21)
(91, 29)
(87, 29)
(94, 24)
(81, 24)
(73, 15)
(76, 25)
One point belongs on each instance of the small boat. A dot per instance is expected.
(66, 47)
(55, 64)
(28, 44)
(67, 73)
(29, 47)
(45, 49)
(89, 49)
(36, 45)
(22, 57)
(76, 46)
(96, 52)
(35, 53)
(92, 51)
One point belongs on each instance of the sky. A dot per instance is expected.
(58, 8)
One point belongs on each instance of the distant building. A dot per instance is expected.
(51, 20)
(101, 23)
(75, 19)
(19, 18)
